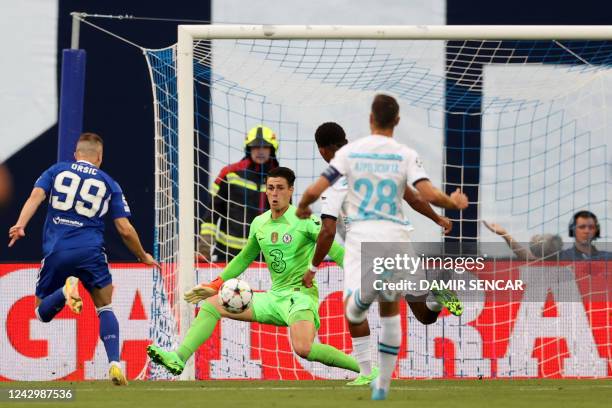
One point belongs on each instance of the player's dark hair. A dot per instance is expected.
(284, 172)
(385, 109)
(330, 134)
(91, 137)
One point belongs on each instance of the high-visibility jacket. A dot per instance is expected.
(238, 195)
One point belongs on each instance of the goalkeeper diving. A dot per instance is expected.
(288, 244)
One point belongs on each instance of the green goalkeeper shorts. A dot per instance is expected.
(283, 308)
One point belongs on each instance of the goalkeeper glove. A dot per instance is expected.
(203, 291)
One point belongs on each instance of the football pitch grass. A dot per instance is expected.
(288, 394)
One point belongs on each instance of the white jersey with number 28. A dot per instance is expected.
(377, 169)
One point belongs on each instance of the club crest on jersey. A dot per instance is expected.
(287, 238)
(274, 237)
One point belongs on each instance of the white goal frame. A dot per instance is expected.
(188, 33)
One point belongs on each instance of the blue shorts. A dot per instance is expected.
(87, 264)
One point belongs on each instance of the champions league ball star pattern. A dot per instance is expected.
(235, 296)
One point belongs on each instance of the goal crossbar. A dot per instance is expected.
(399, 32)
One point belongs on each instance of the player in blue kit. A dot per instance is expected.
(80, 195)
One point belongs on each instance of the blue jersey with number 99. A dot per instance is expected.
(80, 195)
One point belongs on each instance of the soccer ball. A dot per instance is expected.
(235, 296)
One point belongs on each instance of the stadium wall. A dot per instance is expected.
(493, 339)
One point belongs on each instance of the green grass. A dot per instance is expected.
(289, 394)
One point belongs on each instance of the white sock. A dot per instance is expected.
(388, 348)
(432, 304)
(356, 312)
(361, 352)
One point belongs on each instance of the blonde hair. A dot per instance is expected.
(89, 144)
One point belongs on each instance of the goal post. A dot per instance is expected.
(186, 218)
(310, 65)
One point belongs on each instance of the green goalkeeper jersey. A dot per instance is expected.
(287, 243)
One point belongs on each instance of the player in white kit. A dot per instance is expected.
(378, 170)
(330, 137)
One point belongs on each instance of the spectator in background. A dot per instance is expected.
(584, 228)
(541, 246)
(238, 196)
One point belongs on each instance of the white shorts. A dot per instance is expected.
(376, 231)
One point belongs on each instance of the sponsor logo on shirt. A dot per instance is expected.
(64, 221)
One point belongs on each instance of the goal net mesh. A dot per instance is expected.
(521, 126)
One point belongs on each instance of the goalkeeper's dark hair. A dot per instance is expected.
(284, 172)
(330, 134)
(385, 111)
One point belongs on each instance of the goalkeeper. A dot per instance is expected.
(287, 243)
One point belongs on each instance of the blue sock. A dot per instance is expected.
(109, 331)
(51, 305)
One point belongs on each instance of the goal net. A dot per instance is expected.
(521, 125)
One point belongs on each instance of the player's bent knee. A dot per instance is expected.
(302, 348)
(102, 296)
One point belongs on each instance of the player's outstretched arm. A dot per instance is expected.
(523, 254)
(456, 201)
(131, 240)
(414, 199)
(17, 231)
(312, 194)
(233, 269)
